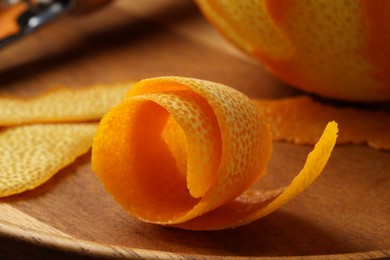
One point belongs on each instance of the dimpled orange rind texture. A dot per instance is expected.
(234, 157)
(34, 150)
(255, 204)
(139, 161)
(62, 105)
(289, 116)
(32, 154)
(203, 139)
(337, 49)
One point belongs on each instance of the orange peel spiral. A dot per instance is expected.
(185, 152)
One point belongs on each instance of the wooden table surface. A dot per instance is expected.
(344, 214)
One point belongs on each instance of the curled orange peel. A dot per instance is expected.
(184, 152)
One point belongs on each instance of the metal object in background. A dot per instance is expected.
(21, 17)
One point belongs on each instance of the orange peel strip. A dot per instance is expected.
(32, 154)
(138, 155)
(300, 120)
(62, 105)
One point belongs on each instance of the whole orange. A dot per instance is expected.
(338, 49)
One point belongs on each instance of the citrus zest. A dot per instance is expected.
(336, 49)
(289, 116)
(62, 104)
(32, 154)
(179, 150)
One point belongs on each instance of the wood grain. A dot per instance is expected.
(345, 214)
(13, 216)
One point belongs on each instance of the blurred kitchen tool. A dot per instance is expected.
(19, 18)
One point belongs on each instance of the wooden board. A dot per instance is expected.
(345, 214)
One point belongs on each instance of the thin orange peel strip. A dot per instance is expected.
(32, 154)
(62, 104)
(145, 149)
(289, 116)
(33, 148)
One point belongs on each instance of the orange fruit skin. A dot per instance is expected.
(224, 141)
(337, 49)
(185, 152)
